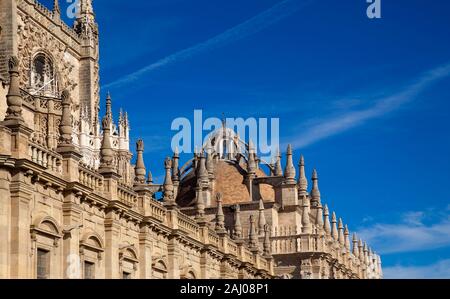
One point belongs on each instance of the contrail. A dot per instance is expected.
(247, 28)
(331, 126)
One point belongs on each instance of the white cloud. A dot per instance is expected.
(440, 269)
(414, 218)
(410, 234)
(331, 126)
(253, 25)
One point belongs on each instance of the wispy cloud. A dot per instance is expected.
(440, 269)
(326, 127)
(247, 28)
(411, 234)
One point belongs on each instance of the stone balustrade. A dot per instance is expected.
(188, 225)
(90, 178)
(213, 239)
(126, 195)
(46, 158)
(157, 211)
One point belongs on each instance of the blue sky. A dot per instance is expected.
(366, 101)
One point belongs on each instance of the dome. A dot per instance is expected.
(228, 155)
(229, 181)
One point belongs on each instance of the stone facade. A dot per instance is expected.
(72, 204)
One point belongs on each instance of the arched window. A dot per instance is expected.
(128, 262)
(45, 238)
(43, 78)
(159, 269)
(91, 251)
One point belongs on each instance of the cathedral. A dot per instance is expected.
(75, 203)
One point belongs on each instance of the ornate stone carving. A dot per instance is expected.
(33, 38)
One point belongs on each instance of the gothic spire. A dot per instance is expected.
(327, 226)
(86, 9)
(334, 230)
(306, 221)
(139, 169)
(109, 106)
(202, 172)
(106, 151)
(347, 238)
(168, 184)
(175, 166)
(252, 235)
(278, 168)
(237, 229)
(302, 181)
(220, 217)
(262, 218)
(360, 250)
(315, 193)
(210, 163)
(251, 167)
(366, 253)
(355, 245)
(56, 9)
(319, 217)
(341, 232)
(289, 171)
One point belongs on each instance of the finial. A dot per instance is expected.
(252, 236)
(237, 229)
(319, 218)
(306, 221)
(327, 226)
(355, 245)
(315, 193)
(347, 239)
(168, 184)
(56, 9)
(139, 169)
(361, 250)
(14, 98)
(262, 217)
(203, 173)
(220, 217)
(302, 181)
(278, 168)
(109, 106)
(251, 166)
(289, 171)
(65, 126)
(210, 162)
(334, 230)
(106, 151)
(341, 232)
(175, 166)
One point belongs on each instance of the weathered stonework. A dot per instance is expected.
(72, 205)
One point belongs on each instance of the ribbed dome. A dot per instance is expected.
(229, 180)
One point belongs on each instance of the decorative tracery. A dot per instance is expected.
(43, 78)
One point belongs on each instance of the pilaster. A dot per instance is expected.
(21, 194)
(5, 219)
(112, 234)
